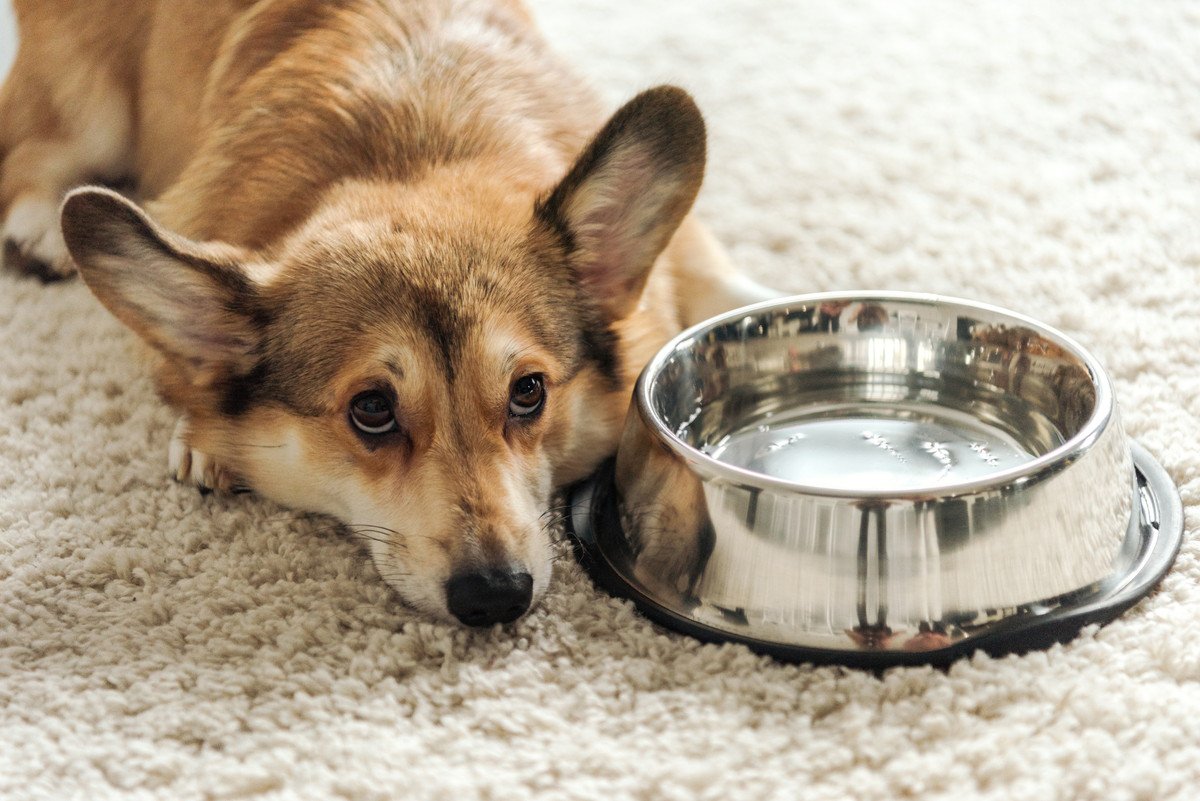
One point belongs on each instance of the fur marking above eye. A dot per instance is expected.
(527, 396)
(371, 413)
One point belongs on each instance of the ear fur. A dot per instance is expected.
(623, 199)
(193, 302)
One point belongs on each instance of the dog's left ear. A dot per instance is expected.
(621, 202)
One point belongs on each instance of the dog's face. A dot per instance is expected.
(427, 361)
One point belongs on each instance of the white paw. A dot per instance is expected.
(33, 242)
(189, 465)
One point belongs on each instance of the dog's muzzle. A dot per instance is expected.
(495, 595)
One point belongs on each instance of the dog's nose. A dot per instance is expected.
(490, 596)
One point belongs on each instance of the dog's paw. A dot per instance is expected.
(188, 465)
(33, 242)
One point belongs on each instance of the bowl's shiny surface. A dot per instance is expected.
(870, 471)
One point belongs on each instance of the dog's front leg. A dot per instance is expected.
(189, 465)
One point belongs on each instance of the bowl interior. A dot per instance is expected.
(880, 394)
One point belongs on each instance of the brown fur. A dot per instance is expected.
(359, 195)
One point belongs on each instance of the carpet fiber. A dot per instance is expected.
(157, 644)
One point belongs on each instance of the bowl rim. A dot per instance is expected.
(1033, 471)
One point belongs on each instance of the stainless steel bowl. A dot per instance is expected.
(883, 473)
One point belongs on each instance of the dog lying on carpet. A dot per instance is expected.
(394, 266)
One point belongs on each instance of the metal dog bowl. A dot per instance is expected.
(877, 479)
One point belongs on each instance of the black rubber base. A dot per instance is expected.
(1155, 535)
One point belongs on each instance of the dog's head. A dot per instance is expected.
(425, 360)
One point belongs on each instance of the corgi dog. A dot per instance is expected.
(393, 261)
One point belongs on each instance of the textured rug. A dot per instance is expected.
(155, 644)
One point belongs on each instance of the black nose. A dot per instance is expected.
(490, 596)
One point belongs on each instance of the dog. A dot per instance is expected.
(393, 261)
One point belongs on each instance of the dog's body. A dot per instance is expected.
(384, 273)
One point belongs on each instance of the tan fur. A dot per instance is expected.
(365, 195)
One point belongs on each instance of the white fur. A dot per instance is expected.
(32, 223)
(282, 473)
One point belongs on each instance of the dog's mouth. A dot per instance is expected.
(477, 593)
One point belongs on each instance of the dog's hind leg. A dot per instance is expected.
(55, 133)
(706, 283)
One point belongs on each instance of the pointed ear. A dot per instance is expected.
(191, 301)
(627, 193)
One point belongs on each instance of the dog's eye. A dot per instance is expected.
(371, 412)
(527, 395)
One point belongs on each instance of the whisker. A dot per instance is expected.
(561, 509)
(392, 576)
(234, 445)
(372, 527)
(361, 536)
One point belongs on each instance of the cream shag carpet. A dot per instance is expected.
(155, 644)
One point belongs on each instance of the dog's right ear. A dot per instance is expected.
(191, 301)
